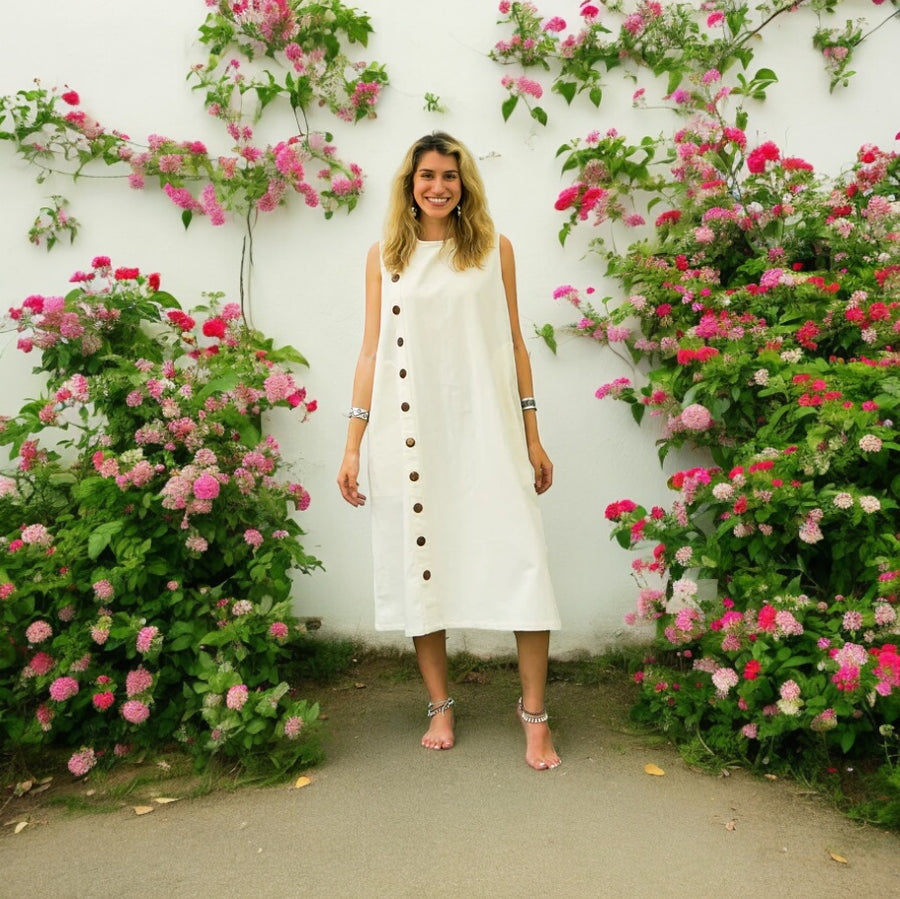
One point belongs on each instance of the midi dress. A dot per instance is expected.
(458, 540)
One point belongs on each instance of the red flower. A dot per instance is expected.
(668, 218)
(126, 274)
(752, 669)
(71, 97)
(757, 158)
(215, 327)
(153, 281)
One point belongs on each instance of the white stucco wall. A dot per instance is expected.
(128, 62)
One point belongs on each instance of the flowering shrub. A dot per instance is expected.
(55, 132)
(674, 41)
(148, 545)
(765, 313)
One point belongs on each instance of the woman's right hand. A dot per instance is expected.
(348, 479)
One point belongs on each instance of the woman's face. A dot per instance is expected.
(437, 187)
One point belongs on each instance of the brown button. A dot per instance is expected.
(426, 575)
(410, 441)
(417, 507)
(395, 277)
(420, 541)
(404, 407)
(399, 341)
(402, 372)
(414, 476)
(395, 310)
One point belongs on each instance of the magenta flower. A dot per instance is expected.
(206, 487)
(102, 701)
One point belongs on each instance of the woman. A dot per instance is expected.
(455, 459)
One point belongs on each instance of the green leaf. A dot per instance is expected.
(548, 334)
(509, 104)
(101, 536)
(539, 115)
(566, 89)
(186, 216)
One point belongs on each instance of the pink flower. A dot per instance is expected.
(206, 487)
(63, 688)
(138, 681)
(696, 417)
(103, 590)
(82, 761)
(236, 697)
(135, 712)
(292, 727)
(44, 716)
(38, 631)
(278, 630)
(145, 637)
(253, 538)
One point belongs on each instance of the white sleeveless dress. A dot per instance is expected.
(457, 534)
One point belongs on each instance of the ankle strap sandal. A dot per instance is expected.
(438, 708)
(529, 717)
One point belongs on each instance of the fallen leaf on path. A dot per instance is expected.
(302, 781)
(162, 800)
(770, 776)
(22, 788)
(359, 685)
(650, 768)
(143, 809)
(90, 792)
(40, 788)
(21, 826)
(731, 826)
(838, 858)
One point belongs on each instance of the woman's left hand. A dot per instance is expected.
(543, 468)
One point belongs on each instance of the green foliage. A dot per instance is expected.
(149, 549)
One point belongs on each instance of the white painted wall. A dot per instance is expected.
(128, 61)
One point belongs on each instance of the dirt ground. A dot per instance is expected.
(383, 817)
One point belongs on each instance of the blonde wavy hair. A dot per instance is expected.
(471, 233)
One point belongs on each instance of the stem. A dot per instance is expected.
(789, 8)
(893, 15)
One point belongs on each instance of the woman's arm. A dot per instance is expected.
(363, 379)
(540, 461)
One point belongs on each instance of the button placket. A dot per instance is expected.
(415, 530)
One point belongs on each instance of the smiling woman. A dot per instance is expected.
(455, 460)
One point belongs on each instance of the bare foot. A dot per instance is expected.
(539, 751)
(440, 730)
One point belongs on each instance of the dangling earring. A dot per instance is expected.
(414, 210)
(459, 210)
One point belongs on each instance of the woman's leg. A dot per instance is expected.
(533, 648)
(431, 654)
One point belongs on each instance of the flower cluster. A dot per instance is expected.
(162, 548)
(767, 312)
(684, 43)
(55, 131)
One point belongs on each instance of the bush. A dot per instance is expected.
(148, 549)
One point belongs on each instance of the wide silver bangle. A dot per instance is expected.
(356, 412)
(529, 403)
